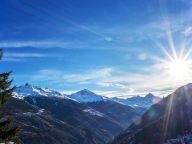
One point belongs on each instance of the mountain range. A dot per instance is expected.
(85, 96)
(48, 116)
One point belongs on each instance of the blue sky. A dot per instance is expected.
(112, 47)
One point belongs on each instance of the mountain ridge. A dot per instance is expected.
(41, 113)
(85, 96)
(168, 119)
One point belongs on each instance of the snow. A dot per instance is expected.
(15, 95)
(40, 112)
(28, 90)
(85, 96)
(93, 112)
(34, 100)
(138, 101)
(186, 139)
(29, 114)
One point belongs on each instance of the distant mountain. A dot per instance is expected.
(165, 121)
(138, 101)
(120, 113)
(48, 116)
(85, 96)
(29, 90)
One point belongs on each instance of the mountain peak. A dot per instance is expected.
(27, 84)
(86, 95)
(85, 92)
(149, 95)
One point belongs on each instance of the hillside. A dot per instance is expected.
(165, 120)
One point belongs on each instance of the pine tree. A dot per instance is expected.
(8, 130)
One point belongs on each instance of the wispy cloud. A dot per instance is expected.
(24, 55)
(20, 57)
(105, 37)
(82, 78)
(142, 56)
(34, 44)
(115, 82)
(53, 76)
(9, 59)
(187, 31)
(91, 75)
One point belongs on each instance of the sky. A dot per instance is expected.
(112, 47)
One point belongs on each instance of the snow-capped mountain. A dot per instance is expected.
(29, 90)
(138, 101)
(54, 113)
(85, 96)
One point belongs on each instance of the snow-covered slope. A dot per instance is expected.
(93, 112)
(85, 96)
(138, 101)
(28, 90)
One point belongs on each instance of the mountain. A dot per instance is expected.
(57, 120)
(138, 101)
(85, 96)
(28, 90)
(121, 114)
(168, 120)
(47, 116)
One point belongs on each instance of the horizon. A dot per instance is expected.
(116, 48)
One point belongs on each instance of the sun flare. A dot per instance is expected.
(178, 65)
(179, 68)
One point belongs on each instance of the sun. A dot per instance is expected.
(179, 68)
(178, 65)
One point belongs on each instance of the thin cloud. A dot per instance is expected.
(21, 57)
(59, 76)
(91, 75)
(13, 59)
(24, 55)
(187, 31)
(34, 44)
(142, 56)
